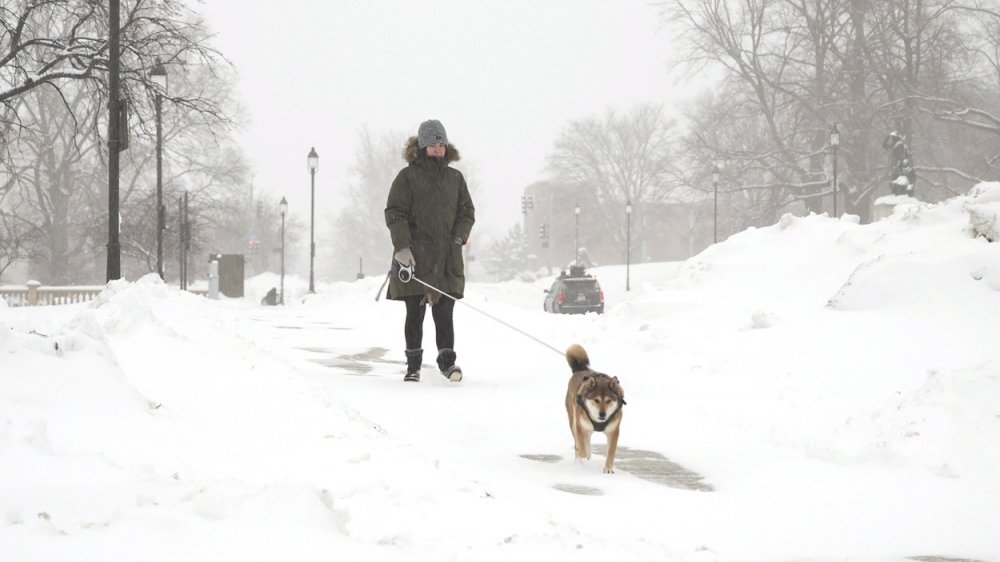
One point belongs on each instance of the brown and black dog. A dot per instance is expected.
(594, 403)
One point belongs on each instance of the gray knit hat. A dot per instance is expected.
(431, 132)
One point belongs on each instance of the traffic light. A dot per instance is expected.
(260, 209)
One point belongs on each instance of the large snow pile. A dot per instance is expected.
(817, 389)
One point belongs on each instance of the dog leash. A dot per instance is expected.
(405, 274)
(379, 293)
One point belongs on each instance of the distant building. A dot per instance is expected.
(667, 231)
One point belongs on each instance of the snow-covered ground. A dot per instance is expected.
(835, 386)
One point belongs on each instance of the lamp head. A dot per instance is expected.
(313, 160)
(834, 136)
(628, 207)
(283, 205)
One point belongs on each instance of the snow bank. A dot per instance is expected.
(823, 378)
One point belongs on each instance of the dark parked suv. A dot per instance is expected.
(574, 292)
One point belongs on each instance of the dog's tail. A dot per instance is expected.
(577, 358)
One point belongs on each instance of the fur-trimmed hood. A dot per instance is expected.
(412, 151)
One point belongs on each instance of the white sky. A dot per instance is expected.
(836, 385)
(503, 77)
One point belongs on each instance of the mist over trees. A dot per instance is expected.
(53, 127)
(791, 69)
(782, 73)
(360, 239)
(620, 158)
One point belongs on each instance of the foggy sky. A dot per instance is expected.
(503, 77)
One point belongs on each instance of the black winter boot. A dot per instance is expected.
(446, 362)
(414, 357)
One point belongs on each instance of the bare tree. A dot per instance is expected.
(57, 169)
(198, 159)
(18, 240)
(618, 159)
(52, 99)
(58, 42)
(359, 231)
(792, 68)
(51, 167)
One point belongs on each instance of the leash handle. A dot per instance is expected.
(405, 273)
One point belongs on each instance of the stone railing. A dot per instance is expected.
(35, 294)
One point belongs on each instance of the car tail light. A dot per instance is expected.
(560, 297)
(600, 296)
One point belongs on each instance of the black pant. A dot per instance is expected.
(444, 325)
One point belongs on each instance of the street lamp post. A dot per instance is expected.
(715, 205)
(185, 238)
(115, 142)
(159, 77)
(576, 256)
(180, 246)
(284, 209)
(313, 166)
(834, 144)
(628, 244)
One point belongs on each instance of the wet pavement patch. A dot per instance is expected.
(653, 466)
(579, 490)
(362, 363)
(543, 458)
(942, 559)
(304, 325)
(372, 354)
(352, 367)
(314, 349)
(648, 465)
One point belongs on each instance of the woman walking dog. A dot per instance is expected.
(430, 215)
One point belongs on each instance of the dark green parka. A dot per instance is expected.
(428, 208)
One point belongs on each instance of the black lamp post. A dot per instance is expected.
(159, 77)
(576, 257)
(115, 142)
(185, 238)
(628, 243)
(313, 166)
(284, 209)
(834, 144)
(180, 238)
(715, 205)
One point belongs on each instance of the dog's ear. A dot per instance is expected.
(587, 383)
(616, 387)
